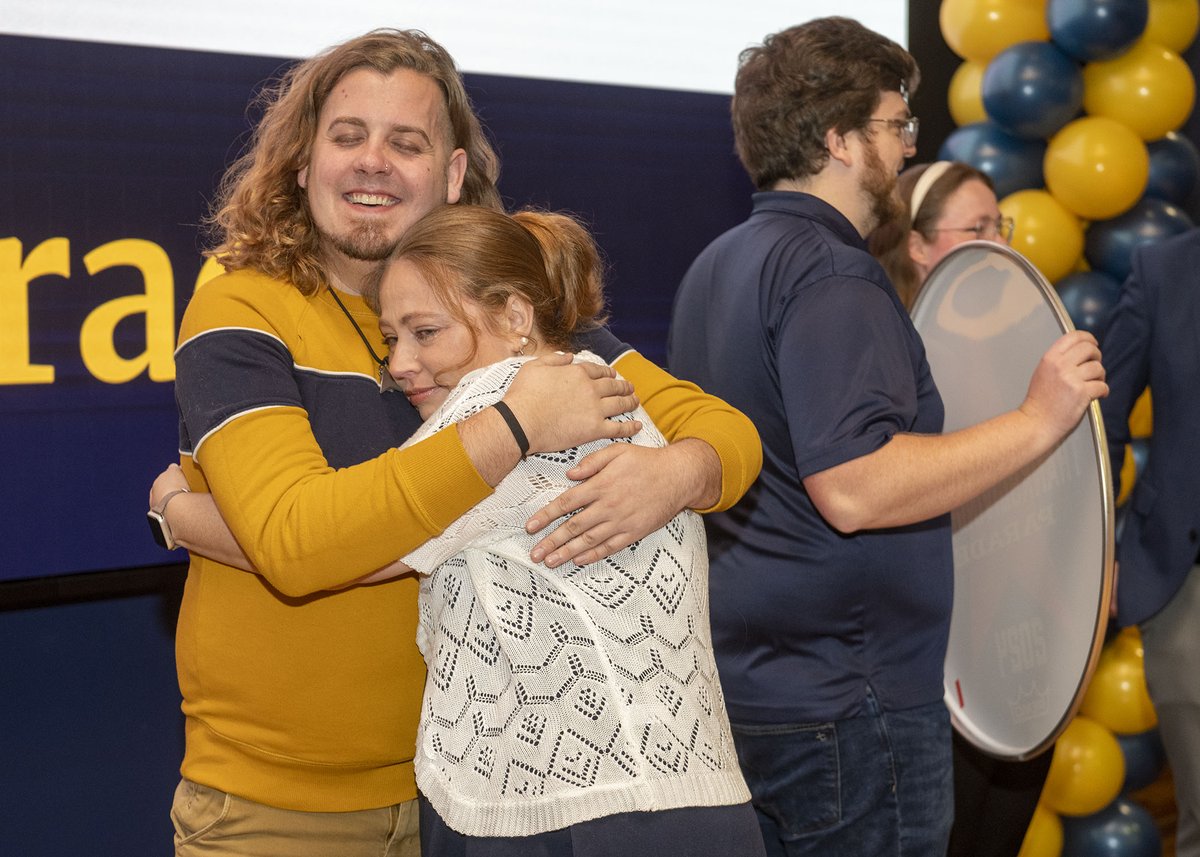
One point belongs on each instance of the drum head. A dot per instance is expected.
(1033, 556)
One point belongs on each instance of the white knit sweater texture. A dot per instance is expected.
(556, 696)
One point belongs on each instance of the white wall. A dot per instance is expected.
(667, 44)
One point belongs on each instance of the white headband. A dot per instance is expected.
(927, 180)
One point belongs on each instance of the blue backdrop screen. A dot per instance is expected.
(111, 155)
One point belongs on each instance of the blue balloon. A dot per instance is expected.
(1141, 454)
(1110, 243)
(1144, 759)
(1011, 163)
(1122, 829)
(1032, 89)
(1096, 29)
(1174, 168)
(1090, 297)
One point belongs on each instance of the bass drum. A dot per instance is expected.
(1033, 557)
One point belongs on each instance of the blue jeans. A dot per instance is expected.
(877, 784)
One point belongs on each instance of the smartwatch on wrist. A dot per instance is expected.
(157, 517)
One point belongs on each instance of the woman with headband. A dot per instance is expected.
(947, 203)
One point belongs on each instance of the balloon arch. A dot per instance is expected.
(1073, 108)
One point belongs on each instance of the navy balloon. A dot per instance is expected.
(1110, 243)
(1032, 89)
(1144, 759)
(1122, 829)
(1174, 168)
(1096, 29)
(1090, 297)
(1011, 163)
(1141, 454)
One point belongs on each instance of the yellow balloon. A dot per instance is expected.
(1046, 234)
(965, 95)
(1148, 88)
(1087, 769)
(979, 29)
(1129, 641)
(1096, 167)
(1117, 697)
(1141, 418)
(1044, 836)
(1128, 475)
(1173, 23)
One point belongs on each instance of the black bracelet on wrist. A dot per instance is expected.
(514, 426)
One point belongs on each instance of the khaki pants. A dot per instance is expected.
(211, 823)
(1171, 640)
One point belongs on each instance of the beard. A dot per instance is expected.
(367, 243)
(879, 186)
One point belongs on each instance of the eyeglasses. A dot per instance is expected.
(907, 127)
(989, 227)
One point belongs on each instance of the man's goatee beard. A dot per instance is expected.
(365, 244)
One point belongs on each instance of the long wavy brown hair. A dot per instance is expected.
(260, 217)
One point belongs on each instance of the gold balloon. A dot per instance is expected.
(1128, 475)
(1172, 23)
(1149, 88)
(1044, 836)
(1046, 234)
(979, 29)
(1087, 769)
(1141, 418)
(965, 95)
(1096, 167)
(1117, 697)
(1129, 641)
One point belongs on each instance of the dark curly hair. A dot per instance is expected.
(803, 81)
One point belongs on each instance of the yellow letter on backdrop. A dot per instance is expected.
(52, 256)
(158, 304)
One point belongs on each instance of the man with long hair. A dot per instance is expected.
(832, 580)
(301, 690)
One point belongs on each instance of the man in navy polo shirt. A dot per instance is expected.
(832, 579)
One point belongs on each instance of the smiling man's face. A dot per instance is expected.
(381, 160)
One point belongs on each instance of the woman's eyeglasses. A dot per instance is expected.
(989, 227)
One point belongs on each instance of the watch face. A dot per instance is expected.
(158, 530)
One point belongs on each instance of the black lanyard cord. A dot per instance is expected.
(382, 361)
